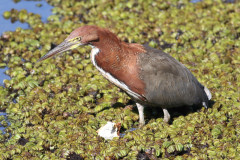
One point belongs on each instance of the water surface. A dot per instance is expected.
(7, 25)
(3, 75)
(30, 6)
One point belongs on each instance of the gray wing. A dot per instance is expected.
(168, 82)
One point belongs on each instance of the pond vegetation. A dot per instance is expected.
(60, 103)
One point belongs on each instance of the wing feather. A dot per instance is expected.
(168, 82)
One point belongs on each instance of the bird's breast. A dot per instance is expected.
(121, 71)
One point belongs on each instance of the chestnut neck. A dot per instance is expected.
(119, 59)
(110, 44)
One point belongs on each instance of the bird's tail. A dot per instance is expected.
(208, 93)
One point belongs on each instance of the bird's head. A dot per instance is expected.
(81, 36)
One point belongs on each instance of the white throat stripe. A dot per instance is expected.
(107, 75)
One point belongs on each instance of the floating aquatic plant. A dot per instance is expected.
(59, 104)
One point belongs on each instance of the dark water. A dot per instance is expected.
(5, 116)
(3, 76)
(130, 130)
(6, 25)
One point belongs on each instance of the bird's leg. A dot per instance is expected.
(141, 114)
(166, 115)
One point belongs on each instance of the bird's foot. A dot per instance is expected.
(141, 124)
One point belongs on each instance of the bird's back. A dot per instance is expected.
(168, 82)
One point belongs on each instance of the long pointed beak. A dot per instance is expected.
(62, 47)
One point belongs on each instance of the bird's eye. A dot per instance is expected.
(78, 38)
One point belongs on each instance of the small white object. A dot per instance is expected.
(109, 131)
(32, 71)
